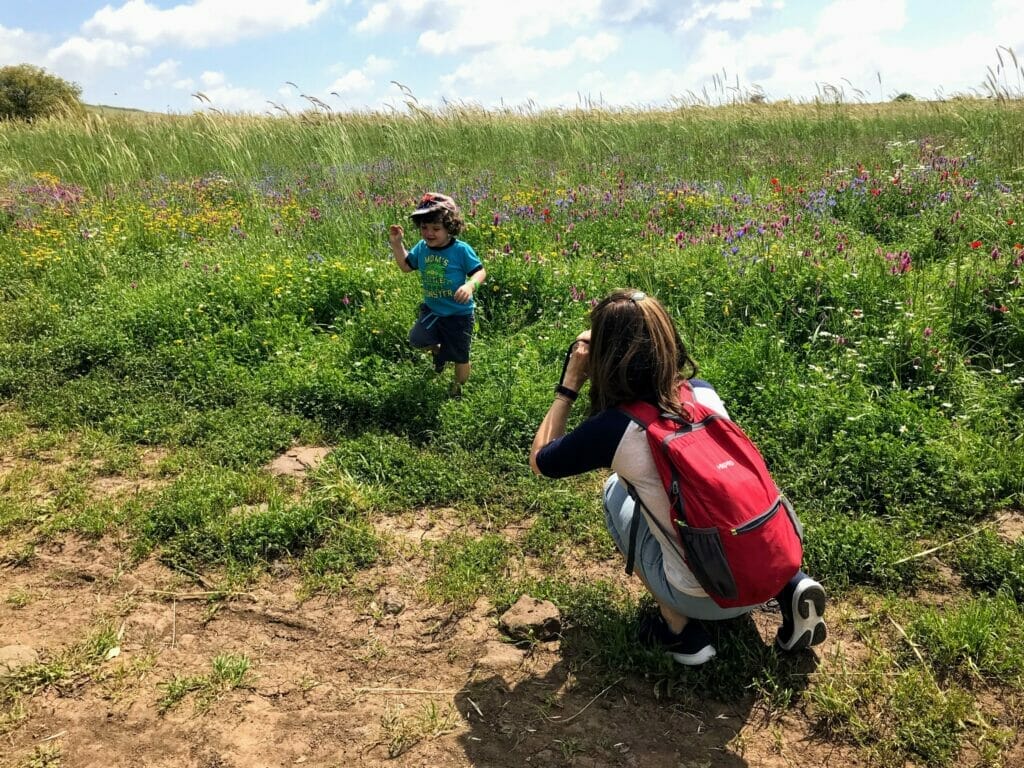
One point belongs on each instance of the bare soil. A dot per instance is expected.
(372, 676)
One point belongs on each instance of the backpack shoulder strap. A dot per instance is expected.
(646, 414)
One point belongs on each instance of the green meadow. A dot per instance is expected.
(212, 290)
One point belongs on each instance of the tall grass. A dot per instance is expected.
(733, 142)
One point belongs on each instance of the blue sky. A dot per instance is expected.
(271, 55)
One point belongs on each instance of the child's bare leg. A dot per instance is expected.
(461, 373)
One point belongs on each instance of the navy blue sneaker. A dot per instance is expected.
(691, 647)
(802, 603)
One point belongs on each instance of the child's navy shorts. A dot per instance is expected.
(454, 334)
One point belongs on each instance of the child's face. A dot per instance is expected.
(434, 234)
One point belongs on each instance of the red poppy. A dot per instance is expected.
(975, 243)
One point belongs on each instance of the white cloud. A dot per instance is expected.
(453, 26)
(165, 70)
(212, 79)
(93, 53)
(730, 10)
(164, 73)
(511, 65)
(1009, 16)
(596, 48)
(202, 23)
(350, 83)
(625, 11)
(627, 89)
(353, 83)
(385, 14)
(375, 65)
(822, 55)
(868, 17)
(18, 46)
(228, 98)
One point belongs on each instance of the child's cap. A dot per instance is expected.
(433, 202)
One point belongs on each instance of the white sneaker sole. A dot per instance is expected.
(808, 606)
(702, 656)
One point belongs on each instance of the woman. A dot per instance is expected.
(633, 352)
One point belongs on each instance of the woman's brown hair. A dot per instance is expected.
(636, 353)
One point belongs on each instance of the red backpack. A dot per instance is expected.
(738, 534)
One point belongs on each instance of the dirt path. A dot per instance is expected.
(370, 678)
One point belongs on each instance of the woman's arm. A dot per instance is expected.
(553, 425)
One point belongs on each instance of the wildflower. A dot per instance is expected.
(314, 214)
(995, 253)
(857, 314)
(927, 332)
(346, 300)
(904, 264)
(975, 244)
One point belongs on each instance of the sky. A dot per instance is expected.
(284, 56)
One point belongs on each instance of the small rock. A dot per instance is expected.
(531, 619)
(393, 607)
(500, 656)
(14, 657)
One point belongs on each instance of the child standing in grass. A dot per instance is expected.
(450, 272)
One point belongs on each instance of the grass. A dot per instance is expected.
(227, 672)
(185, 297)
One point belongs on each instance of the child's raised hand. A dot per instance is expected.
(395, 234)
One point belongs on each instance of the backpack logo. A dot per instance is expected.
(737, 533)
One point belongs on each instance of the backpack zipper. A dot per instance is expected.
(757, 522)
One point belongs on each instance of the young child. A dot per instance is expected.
(450, 272)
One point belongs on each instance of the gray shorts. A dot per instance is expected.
(452, 333)
(619, 509)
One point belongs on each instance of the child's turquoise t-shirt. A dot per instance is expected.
(442, 271)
